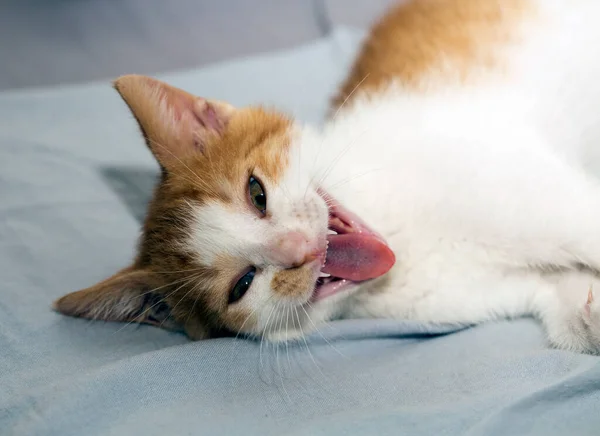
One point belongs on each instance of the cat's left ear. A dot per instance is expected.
(175, 123)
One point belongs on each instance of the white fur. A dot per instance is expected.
(481, 190)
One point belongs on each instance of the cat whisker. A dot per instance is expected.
(262, 337)
(197, 177)
(349, 179)
(321, 334)
(286, 191)
(306, 342)
(178, 271)
(337, 112)
(287, 348)
(335, 115)
(192, 276)
(192, 289)
(337, 159)
(191, 312)
(186, 294)
(324, 324)
(278, 362)
(147, 310)
(250, 315)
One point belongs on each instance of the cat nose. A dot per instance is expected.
(294, 249)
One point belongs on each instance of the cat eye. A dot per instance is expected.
(257, 195)
(241, 286)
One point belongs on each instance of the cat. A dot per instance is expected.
(452, 183)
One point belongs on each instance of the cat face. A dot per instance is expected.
(236, 236)
(264, 238)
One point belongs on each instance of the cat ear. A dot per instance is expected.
(174, 123)
(127, 296)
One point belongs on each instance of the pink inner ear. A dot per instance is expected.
(193, 117)
(180, 105)
(207, 115)
(174, 122)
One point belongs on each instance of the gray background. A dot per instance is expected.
(49, 42)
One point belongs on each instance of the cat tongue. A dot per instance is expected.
(357, 256)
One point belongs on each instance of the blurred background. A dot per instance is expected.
(51, 42)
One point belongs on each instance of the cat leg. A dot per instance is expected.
(567, 304)
(562, 230)
(462, 295)
(570, 311)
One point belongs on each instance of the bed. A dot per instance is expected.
(74, 180)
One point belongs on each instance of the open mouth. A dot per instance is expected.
(355, 253)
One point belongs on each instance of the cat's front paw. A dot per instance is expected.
(577, 328)
(590, 315)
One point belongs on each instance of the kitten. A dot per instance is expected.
(450, 184)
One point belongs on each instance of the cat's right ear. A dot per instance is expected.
(127, 296)
(175, 123)
(131, 295)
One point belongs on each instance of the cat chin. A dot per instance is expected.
(315, 315)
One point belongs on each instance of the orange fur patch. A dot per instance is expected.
(292, 282)
(430, 38)
(254, 139)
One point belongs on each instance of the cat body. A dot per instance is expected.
(464, 137)
(478, 175)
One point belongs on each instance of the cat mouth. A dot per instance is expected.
(355, 252)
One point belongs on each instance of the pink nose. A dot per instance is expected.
(294, 249)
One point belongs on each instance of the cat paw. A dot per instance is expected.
(588, 310)
(591, 319)
(577, 328)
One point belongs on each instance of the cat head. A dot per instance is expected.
(236, 235)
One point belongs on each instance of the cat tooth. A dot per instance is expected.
(324, 275)
(331, 232)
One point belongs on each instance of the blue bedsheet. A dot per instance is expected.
(74, 179)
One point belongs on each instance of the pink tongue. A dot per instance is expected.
(357, 257)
